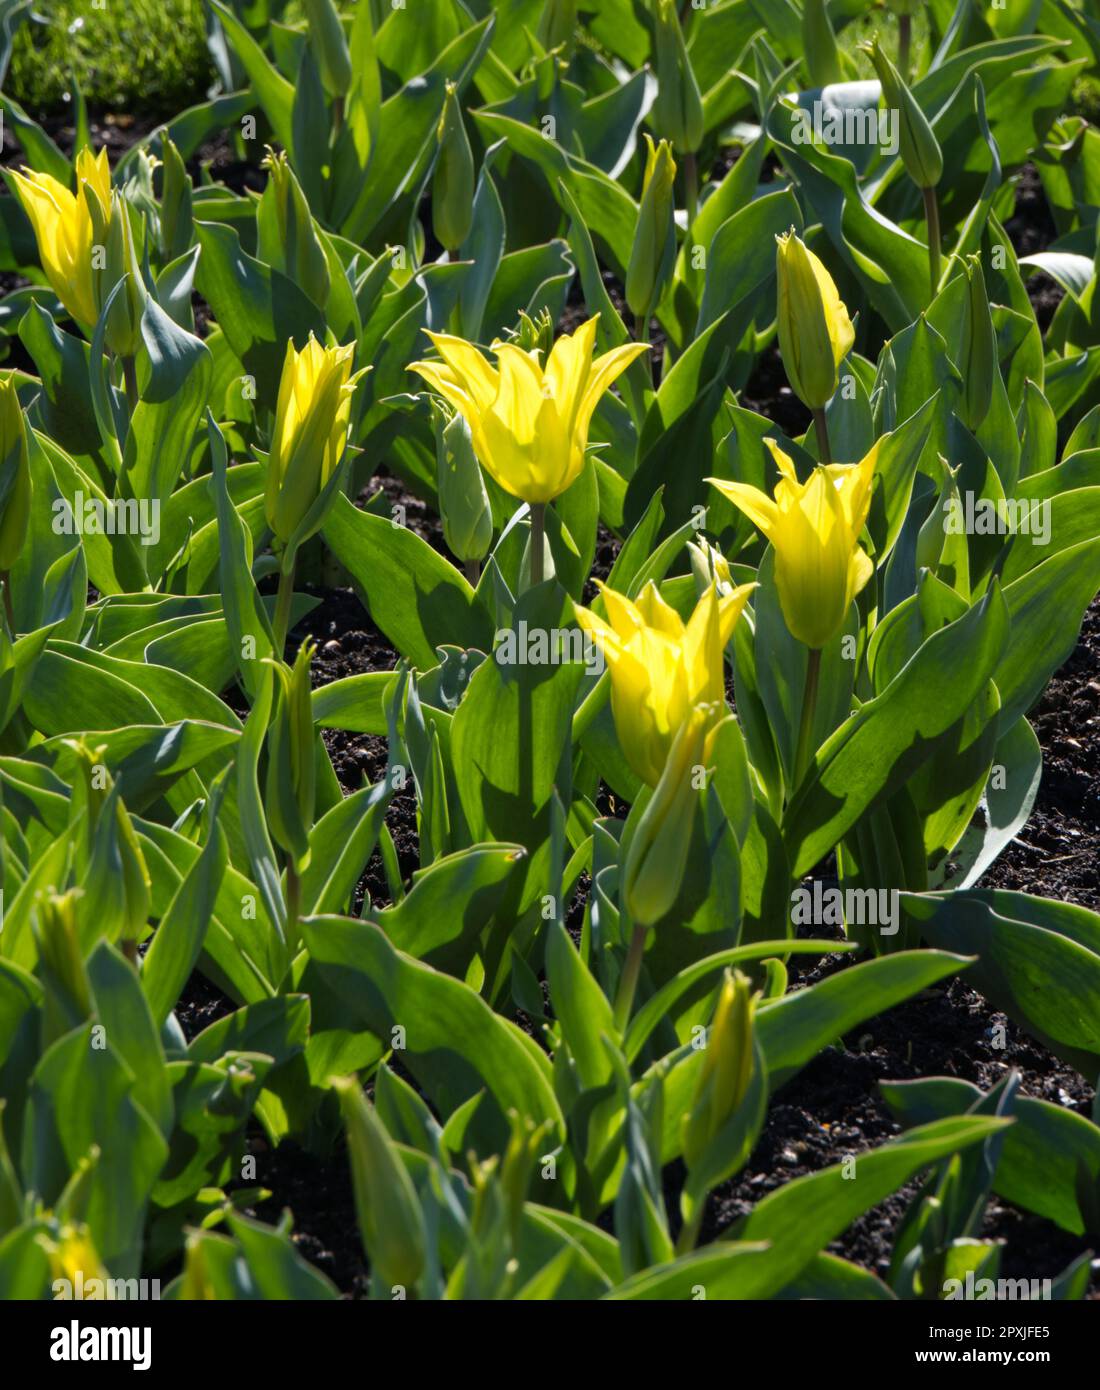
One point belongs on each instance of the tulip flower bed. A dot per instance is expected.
(547, 662)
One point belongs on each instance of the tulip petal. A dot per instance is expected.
(757, 505)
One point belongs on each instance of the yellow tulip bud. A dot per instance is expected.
(724, 1077)
(66, 226)
(176, 219)
(289, 241)
(453, 179)
(978, 354)
(678, 110)
(390, 1218)
(312, 419)
(656, 856)
(654, 246)
(463, 500)
(814, 528)
(529, 423)
(124, 321)
(291, 760)
(815, 332)
(919, 148)
(661, 667)
(15, 475)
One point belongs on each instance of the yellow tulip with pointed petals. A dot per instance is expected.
(67, 225)
(814, 528)
(815, 332)
(661, 667)
(312, 416)
(529, 423)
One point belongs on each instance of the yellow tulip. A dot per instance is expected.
(814, 528)
(815, 332)
(67, 225)
(312, 417)
(529, 423)
(661, 667)
(724, 1077)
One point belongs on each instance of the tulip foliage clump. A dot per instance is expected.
(658, 659)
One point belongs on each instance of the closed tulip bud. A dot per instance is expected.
(656, 856)
(978, 355)
(124, 320)
(118, 889)
(453, 179)
(918, 146)
(726, 1071)
(677, 112)
(529, 423)
(463, 500)
(654, 248)
(312, 419)
(15, 475)
(67, 226)
(814, 528)
(288, 238)
(518, 1164)
(661, 667)
(710, 568)
(815, 332)
(819, 44)
(535, 334)
(176, 220)
(330, 46)
(390, 1219)
(291, 760)
(68, 999)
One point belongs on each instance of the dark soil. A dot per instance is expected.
(1057, 853)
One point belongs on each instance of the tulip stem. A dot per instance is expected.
(129, 377)
(282, 609)
(538, 534)
(691, 187)
(628, 980)
(905, 37)
(473, 572)
(809, 709)
(821, 427)
(932, 218)
(689, 1231)
(293, 907)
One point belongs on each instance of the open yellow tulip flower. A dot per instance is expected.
(815, 332)
(529, 422)
(814, 528)
(67, 225)
(661, 667)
